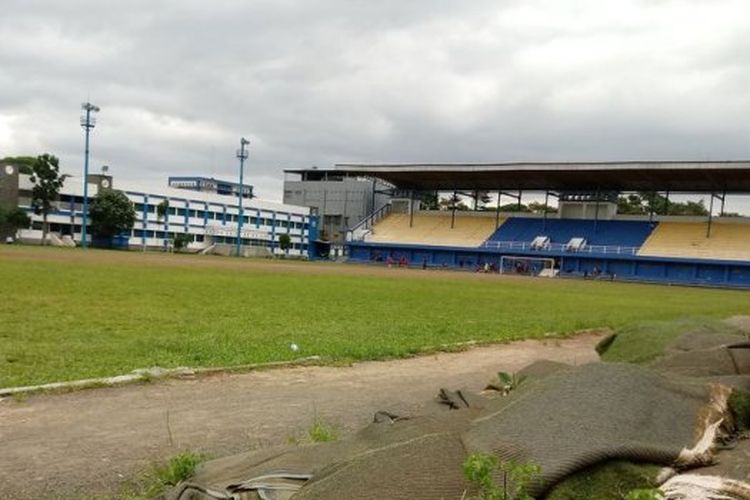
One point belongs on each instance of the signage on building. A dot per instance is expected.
(231, 230)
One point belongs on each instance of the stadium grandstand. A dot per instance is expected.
(584, 235)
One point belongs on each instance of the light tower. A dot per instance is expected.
(242, 154)
(88, 122)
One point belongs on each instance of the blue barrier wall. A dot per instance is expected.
(622, 267)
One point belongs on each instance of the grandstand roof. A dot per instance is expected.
(676, 176)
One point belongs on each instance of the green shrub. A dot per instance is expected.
(608, 481)
(645, 494)
(179, 468)
(321, 433)
(478, 468)
(739, 403)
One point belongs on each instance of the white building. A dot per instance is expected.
(210, 220)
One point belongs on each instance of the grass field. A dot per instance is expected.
(69, 314)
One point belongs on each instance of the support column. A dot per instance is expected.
(323, 213)
(453, 210)
(596, 212)
(497, 210)
(710, 216)
(544, 217)
(344, 226)
(650, 213)
(368, 220)
(411, 208)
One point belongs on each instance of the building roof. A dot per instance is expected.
(676, 176)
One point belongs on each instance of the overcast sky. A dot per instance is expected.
(315, 82)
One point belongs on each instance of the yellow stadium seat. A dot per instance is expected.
(729, 241)
(434, 229)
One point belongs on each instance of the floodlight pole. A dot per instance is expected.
(242, 154)
(88, 122)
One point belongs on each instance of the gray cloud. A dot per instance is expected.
(322, 81)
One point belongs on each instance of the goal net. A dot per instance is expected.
(528, 266)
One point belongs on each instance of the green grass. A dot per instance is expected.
(156, 479)
(608, 481)
(179, 468)
(644, 341)
(68, 315)
(319, 432)
(739, 403)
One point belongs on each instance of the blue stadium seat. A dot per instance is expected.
(560, 231)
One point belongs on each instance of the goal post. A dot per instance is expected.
(528, 266)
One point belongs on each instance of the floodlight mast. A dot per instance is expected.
(88, 122)
(242, 154)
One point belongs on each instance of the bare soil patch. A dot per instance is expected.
(90, 442)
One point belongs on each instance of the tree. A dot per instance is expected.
(645, 202)
(285, 242)
(453, 202)
(481, 199)
(16, 219)
(111, 213)
(429, 201)
(161, 209)
(181, 240)
(537, 207)
(47, 182)
(631, 204)
(25, 164)
(514, 207)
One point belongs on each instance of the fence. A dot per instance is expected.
(561, 247)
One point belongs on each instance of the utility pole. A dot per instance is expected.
(242, 154)
(88, 122)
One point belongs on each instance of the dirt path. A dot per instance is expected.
(69, 445)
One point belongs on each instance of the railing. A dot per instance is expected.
(560, 247)
(363, 227)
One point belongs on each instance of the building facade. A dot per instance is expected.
(209, 220)
(340, 201)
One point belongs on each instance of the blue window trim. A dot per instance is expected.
(145, 219)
